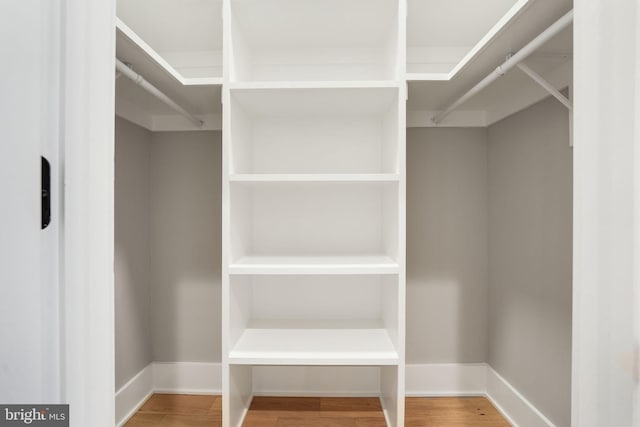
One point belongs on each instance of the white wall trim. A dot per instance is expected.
(87, 246)
(422, 380)
(131, 396)
(513, 405)
(446, 379)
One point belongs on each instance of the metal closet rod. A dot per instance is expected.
(511, 62)
(139, 80)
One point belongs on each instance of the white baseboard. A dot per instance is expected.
(421, 380)
(133, 394)
(513, 405)
(446, 379)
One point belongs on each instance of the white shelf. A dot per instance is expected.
(311, 40)
(314, 346)
(187, 34)
(133, 49)
(347, 84)
(444, 37)
(373, 264)
(200, 96)
(303, 130)
(347, 178)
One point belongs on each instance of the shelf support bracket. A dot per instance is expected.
(553, 91)
(546, 85)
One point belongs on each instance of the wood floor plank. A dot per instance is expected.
(145, 420)
(454, 412)
(179, 404)
(191, 421)
(216, 406)
(316, 422)
(260, 419)
(371, 422)
(298, 404)
(359, 404)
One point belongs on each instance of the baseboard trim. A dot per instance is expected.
(422, 380)
(131, 396)
(445, 379)
(513, 405)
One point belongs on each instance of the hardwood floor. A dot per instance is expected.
(174, 410)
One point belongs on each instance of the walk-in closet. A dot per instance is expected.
(362, 198)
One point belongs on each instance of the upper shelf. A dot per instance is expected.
(199, 96)
(444, 36)
(186, 34)
(327, 40)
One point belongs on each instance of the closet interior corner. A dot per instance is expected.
(329, 198)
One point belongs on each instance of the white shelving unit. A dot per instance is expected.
(313, 193)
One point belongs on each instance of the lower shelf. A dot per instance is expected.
(352, 347)
(372, 264)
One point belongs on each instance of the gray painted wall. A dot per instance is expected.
(185, 219)
(530, 187)
(447, 277)
(132, 263)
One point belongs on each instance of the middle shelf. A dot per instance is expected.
(348, 264)
(314, 226)
(314, 319)
(317, 131)
(315, 177)
(314, 346)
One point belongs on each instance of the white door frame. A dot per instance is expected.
(87, 246)
(606, 284)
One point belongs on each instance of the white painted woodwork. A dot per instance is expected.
(186, 34)
(345, 264)
(309, 40)
(199, 95)
(323, 131)
(435, 95)
(443, 36)
(314, 346)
